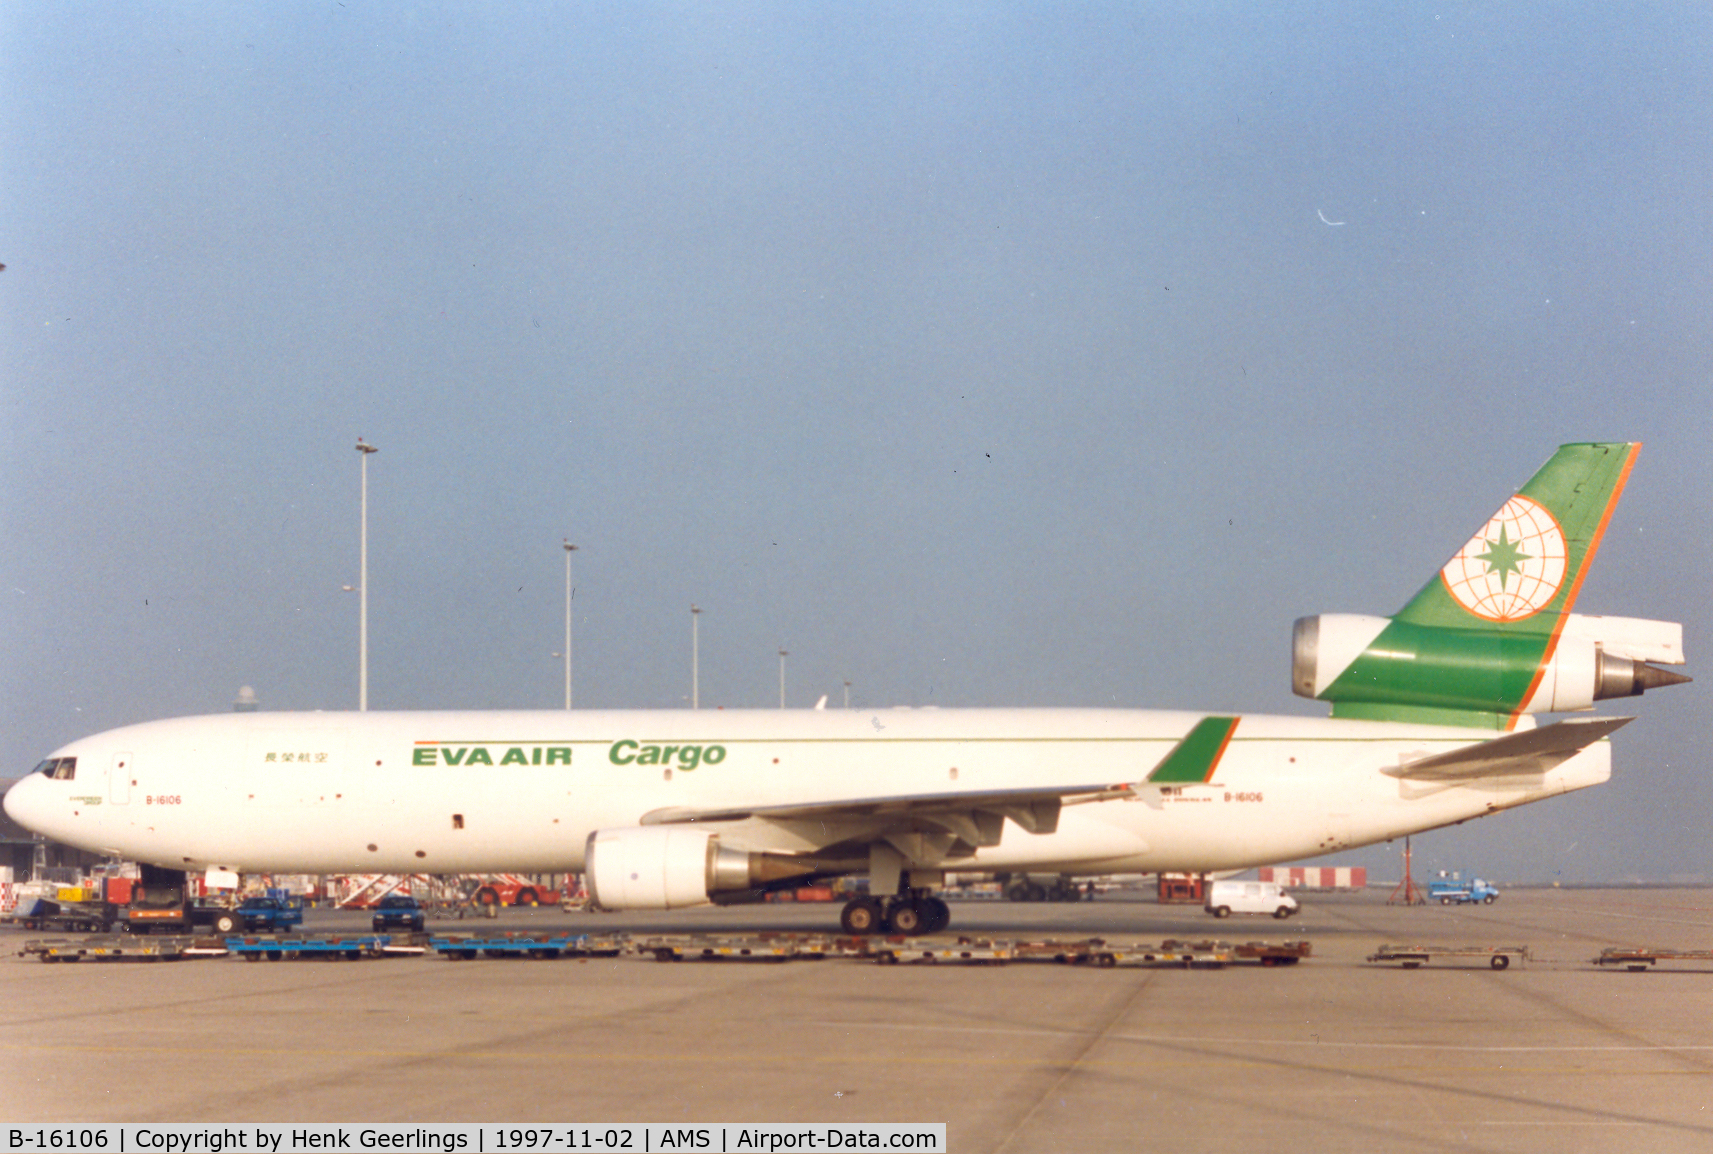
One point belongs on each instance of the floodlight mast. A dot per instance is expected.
(695, 661)
(569, 549)
(365, 449)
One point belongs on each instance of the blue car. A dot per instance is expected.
(398, 912)
(270, 915)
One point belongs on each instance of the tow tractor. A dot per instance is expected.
(159, 903)
(511, 890)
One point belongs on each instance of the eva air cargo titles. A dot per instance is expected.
(1433, 722)
(621, 753)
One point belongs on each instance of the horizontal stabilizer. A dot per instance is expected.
(1528, 751)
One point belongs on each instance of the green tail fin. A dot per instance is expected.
(1522, 571)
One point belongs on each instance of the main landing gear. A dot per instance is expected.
(915, 912)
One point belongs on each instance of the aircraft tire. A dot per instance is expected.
(905, 917)
(861, 917)
(938, 915)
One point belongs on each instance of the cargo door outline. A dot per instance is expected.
(119, 779)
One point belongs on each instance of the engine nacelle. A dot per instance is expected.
(1345, 658)
(1583, 672)
(656, 867)
(1325, 646)
(663, 867)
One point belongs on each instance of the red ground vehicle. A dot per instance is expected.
(514, 892)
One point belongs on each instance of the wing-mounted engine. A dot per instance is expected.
(663, 867)
(1378, 666)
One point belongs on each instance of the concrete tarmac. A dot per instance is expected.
(1334, 1054)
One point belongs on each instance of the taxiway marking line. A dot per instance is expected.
(1202, 1040)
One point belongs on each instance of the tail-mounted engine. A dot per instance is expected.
(1359, 663)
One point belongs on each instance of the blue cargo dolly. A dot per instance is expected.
(278, 947)
(523, 944)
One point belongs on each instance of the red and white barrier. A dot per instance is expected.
(1316, 877)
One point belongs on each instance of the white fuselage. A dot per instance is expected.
(374, 792)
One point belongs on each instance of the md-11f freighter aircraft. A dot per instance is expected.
(1433, 723)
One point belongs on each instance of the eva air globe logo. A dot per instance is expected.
(1513, 567)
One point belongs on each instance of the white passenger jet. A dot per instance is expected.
(1433, 723)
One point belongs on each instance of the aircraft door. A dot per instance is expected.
(119, 779)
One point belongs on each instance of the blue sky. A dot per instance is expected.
(977, 355)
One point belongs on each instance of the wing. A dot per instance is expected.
(1527, 752)
(974, 816)
(940, 825)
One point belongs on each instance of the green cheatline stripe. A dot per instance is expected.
(1193, 759)
(1462, 719)
(510, 741)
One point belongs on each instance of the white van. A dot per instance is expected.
(1227, 898)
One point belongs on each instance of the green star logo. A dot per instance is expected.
(1503, 557)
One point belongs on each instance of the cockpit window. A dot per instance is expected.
(59, 768)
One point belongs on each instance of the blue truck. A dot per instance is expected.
(1453, 891)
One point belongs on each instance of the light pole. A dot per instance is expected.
(782, 656)
(569, 549)
(695, 662)
(363, 587)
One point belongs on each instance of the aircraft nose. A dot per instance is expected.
(22, 803)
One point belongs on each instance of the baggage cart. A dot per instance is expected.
(1413, 957)
(1639, 958)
